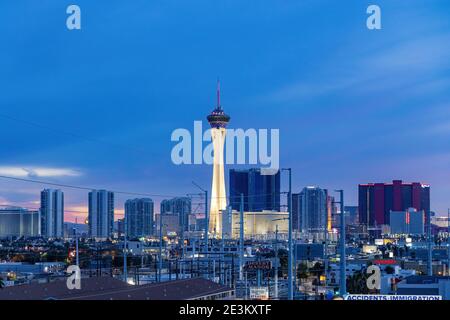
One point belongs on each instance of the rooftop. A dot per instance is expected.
(107, 288)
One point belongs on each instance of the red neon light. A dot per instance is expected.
(384, 261)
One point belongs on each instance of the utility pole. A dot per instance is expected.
(448, 241)
(276, 261)
(160, 247)
(246, 289)
(290, 248)
(214, 270)
(222, 261)
(430, 246)
(342, 255)
(76, 243)
(125, 249)
(241, 238)
(182, 244)
(290, 262)
(326, 263)
(206, 222)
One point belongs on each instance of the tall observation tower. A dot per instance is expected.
(218, 121)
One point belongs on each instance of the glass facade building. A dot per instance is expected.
(19, 222)
(52, 213)
(101, 213)
(139, 216)
(181, 206)
(410, 222)
(310, 210)
(261, 192)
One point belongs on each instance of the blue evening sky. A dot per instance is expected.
(96, 107)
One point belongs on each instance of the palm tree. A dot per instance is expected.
(302, 271)
(356, 283)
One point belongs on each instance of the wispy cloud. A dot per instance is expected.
(423, 54)
(415, 63)
(32, 172)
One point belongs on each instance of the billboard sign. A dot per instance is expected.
(259, 293)
(385, 297)
(258, 265)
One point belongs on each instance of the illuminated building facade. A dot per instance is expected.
(261, 191)
(256, 224)
(313, 213)
(218, 121)
(376, 200)
(101, 213)
(52, 213)
(182, 206)
(139, 213)
(410, 222)
(19, 222)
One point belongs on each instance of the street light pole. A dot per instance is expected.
(290, 262)
(276, 262)
(430, 246)
(206, 216)
(342, 255)
(241, 238)
(448, 241)
(125, 270)
(207, 224)
(160, 247)
(291, 292)
(76, 243)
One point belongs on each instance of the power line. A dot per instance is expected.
(33, 208)
(61, 185)
(75, 135)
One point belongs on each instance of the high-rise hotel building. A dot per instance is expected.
(139, 217)
(311, 210)
(19, 222)
(377, 200)
(181, 206)
(101, 213)
(52, 213)
(261, 192)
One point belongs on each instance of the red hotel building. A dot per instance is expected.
(376, 200)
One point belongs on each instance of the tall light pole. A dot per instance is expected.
(160, 247)
(241, 238)
(125, 249)
(326, 263)
(342, 262)
(76, 243)
(276, 256)
(290, 262)
(206, 216)
(430, 246)
(276, 262)
(448, 241)
(207, 224)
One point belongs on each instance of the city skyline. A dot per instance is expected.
(352, 106)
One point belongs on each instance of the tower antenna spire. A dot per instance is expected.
(218, 93)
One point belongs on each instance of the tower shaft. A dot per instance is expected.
(218, 193)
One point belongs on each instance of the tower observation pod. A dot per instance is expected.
(218, 121)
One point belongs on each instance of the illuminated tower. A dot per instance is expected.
(218, 121)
